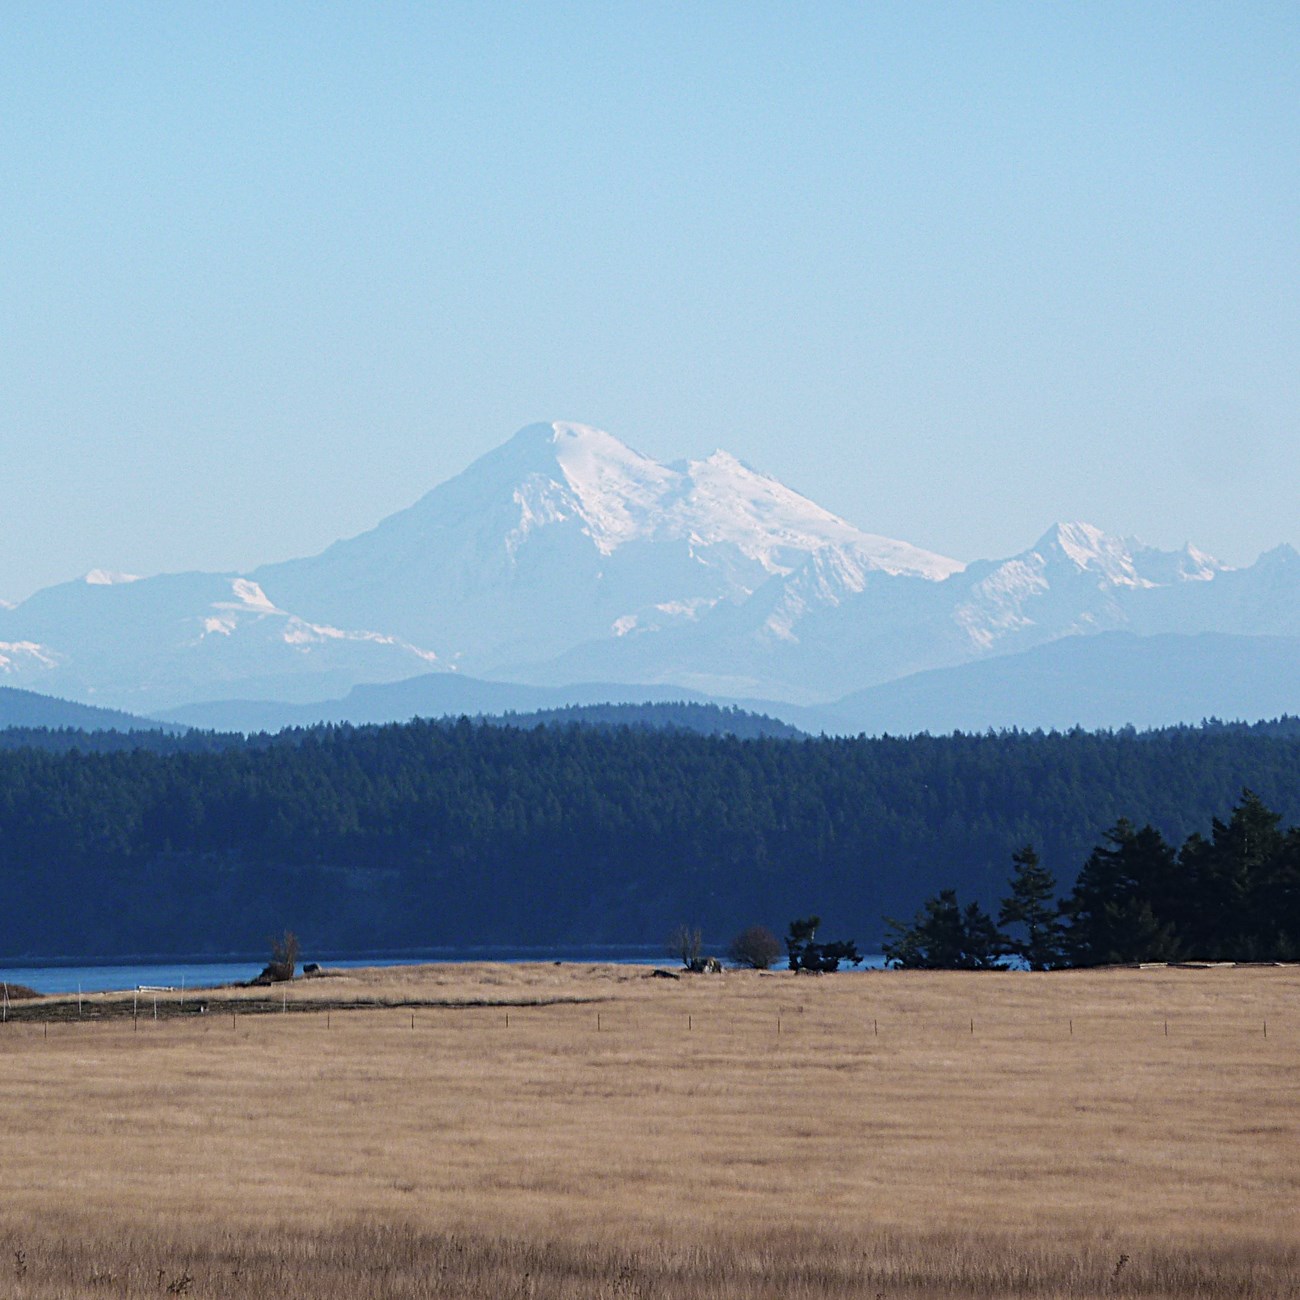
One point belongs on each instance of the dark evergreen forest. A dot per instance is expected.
(434, 833)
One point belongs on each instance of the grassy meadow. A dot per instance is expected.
(595, 1131)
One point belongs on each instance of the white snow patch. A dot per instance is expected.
(300, 633)
(688, 609)
(615, 486)
(622, 626)
(12, 652)
(541, 502)
(250, 595)
(781, 623)
(303, 635)
(108, 578)
(1090, 549)
(996, 607)
(1198, 566)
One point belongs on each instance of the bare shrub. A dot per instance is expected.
(687, 942)
(755, 947)
(284, 959)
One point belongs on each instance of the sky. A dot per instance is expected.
(955, 271)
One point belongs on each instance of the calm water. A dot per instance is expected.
(208, 974)
(197, 975)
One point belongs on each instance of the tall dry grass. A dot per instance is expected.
(381, 1262)
(593, 1132)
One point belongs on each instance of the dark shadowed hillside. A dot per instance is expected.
(430, 833)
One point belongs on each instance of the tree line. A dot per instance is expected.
(1233, 895)
(454, 833)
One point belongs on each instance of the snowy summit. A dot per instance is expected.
(623, 496)
(565, 556)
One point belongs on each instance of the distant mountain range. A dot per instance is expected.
(30, 709)
(1108, 681)
(564, 557)
(45, 722)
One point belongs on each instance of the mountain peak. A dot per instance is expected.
(543, 557)
(725, 460)
(1124, 561)
(568, 472)
(1081, 541)
(1087, 549)
(1284, 556)
(560, 437)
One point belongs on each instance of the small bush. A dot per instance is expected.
(284, 960)
(755, 947)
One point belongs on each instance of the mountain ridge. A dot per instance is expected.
(564, 556)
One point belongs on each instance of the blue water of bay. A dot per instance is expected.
(177, 974)
(164, 973)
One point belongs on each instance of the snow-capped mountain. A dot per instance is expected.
(183, 637)
(1075, 579)
(826, 630)
(564, 536)
(564, 556)
(559, 537)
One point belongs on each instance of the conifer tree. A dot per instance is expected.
(1227, 911)
(1112, 920)
(945, 936)
(1032, 905)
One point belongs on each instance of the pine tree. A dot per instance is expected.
(801, 939)
(1227, 910)
(1111, 917)
(945, 936)
(1032, 905)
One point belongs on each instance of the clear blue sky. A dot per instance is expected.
(270, 271)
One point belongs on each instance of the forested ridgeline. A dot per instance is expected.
(705, 719)
(431, 833)
(683, 715)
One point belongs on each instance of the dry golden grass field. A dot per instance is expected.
(541, 1131)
